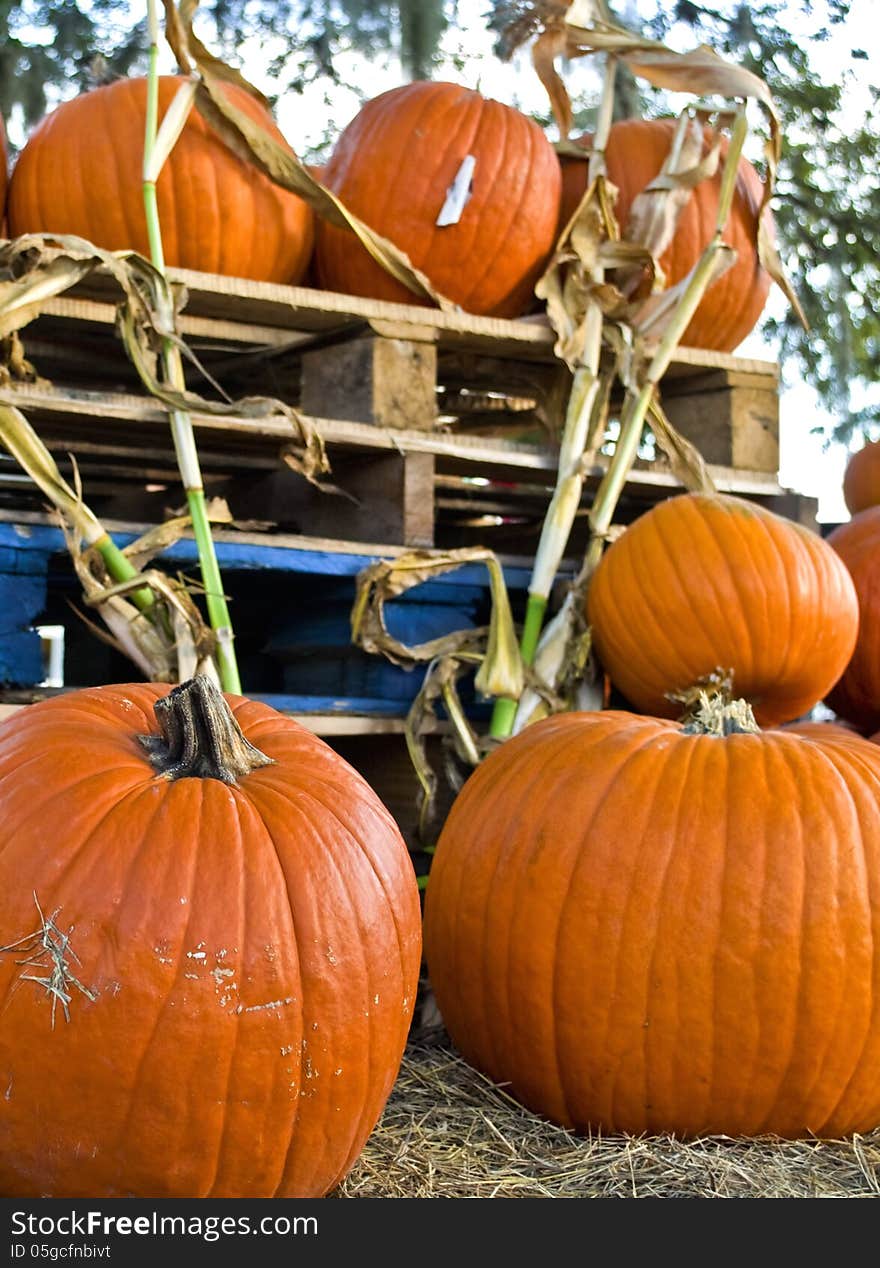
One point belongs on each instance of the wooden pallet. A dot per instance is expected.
(438, 425)
(290, 599)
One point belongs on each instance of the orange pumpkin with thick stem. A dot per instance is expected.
(641, 928)
(861, 478)
(80, 173)
(701, 583)
(635, 153)
(393, 166)
(236, 930)
(856, 697)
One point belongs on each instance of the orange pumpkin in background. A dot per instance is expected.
(234, 936)
(393, 165)
(4, 175)
(861, 479)
(856, 697)
(80, 173)
(635, 153)
(701, 583)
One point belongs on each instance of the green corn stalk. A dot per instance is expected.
(158, 144)
(561, 512)
(555, 647)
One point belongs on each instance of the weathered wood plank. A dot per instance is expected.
(64, 415)
(298, 308)
(389, 382)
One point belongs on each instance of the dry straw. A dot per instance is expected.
(447, 1132)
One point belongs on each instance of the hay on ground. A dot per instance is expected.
(449, 1132)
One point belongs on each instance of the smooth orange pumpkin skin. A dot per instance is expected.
(861, 478)
(80, 173)
(254, 952)
(645, 931)
(823, 730)
(4, 174)
(732, 305)
(856, 697)
(393, 165)
(700, 583)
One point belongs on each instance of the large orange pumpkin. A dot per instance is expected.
(643, 929)
(856, 696)
(635, 153)
(393, 166)
(80, 173)
(4, 175)
(701, 583)
(861, 479)
(238, 944)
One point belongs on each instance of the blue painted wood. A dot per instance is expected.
(246, 556)
(340, 706)
(295, 626)
(22, 598)
(21, 659)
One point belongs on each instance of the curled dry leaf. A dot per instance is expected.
(501, 670)
(161, 536)
(440, 687)
(40, 266)
(588, 29)
(20, 439)
(166, 646)
(685, 459)
(655, 213)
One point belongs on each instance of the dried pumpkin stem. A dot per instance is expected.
(181, 423)
(564, 504)
(200, 737)
(713, 715)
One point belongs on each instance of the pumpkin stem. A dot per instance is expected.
(200, 737)
(714, 715)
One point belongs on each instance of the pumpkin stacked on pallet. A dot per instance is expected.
(395, 165)
(635, 153)
(646, 926)
(209, 949)
(80, 173)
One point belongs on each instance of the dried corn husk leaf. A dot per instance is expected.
(169, 532)
(440, 685)
(162, 656)
(652, 319)
(173, 123)
(656, 211)
(19, 437)
(253, 144)
(501, 670)
(43, 265)
(685, 459)
(562, 676)
(550, 44)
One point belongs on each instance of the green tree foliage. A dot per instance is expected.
(80, 42)
(828, 205)
(53, 45)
